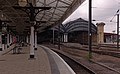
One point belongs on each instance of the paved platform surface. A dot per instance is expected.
(58, 65)
(46, 62)
(21, 64)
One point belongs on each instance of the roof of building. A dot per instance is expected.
(77, 25)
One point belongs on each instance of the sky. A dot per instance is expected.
(102, 11)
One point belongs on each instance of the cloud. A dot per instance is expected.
(102, 11)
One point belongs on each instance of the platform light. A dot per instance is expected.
(22, 3)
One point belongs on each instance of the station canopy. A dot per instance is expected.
(58, 12)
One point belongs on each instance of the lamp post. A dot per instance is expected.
(59, 36)
(4, 32)
(89, 30)
(32, 12)
(3, 29)
(113, 36)
(53, 35)
(117, 31)
(117, 13)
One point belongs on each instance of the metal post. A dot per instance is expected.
(1, 41)
(8, 44)
(89, 30)
(10, 39)
(27, 38)
(117, 31)
(53, 35)
(59, 36)
(64, 37)
(35, 40)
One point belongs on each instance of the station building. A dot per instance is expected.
(76, 32)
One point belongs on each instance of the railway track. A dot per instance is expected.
(104, 49)
(77, 67)
(92, 67)
(97, 67)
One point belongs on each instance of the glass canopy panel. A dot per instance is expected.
(18, 17)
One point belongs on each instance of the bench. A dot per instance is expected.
(17, 50)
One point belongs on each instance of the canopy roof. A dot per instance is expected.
(60, 10)
(76, 25)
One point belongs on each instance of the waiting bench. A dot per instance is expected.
(17, 50)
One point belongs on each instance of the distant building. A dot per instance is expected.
(77, 32)
(110, 37)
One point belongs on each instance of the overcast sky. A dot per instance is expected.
(102, 11)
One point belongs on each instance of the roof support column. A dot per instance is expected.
(59, 36)
(32, 53)
(35, 40)
(89, 30)
(65, 37)
(0, 41)
(8, 38)
(117, 31)
(27, 39)
(53, 35)
(3, 42)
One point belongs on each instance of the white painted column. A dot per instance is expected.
(3, 43)
(32, 42)
(8, 44)
(0, 41)
(3, 46)
(27, 39)
(10, 39)
(35, 40)
(65, 37)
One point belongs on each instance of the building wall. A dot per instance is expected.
(81, 37)
(100, 32)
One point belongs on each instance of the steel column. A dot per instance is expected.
(53, 35)
(117, 31)
(10, 39)
(35, 40)
(59, 36)
(0, 41)
(27, 39)
(89, 30)
(8, 43)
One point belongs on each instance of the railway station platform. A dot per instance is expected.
(45, 62)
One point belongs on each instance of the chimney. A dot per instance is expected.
(100, 32)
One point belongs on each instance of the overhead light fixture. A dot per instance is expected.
(22, 3)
